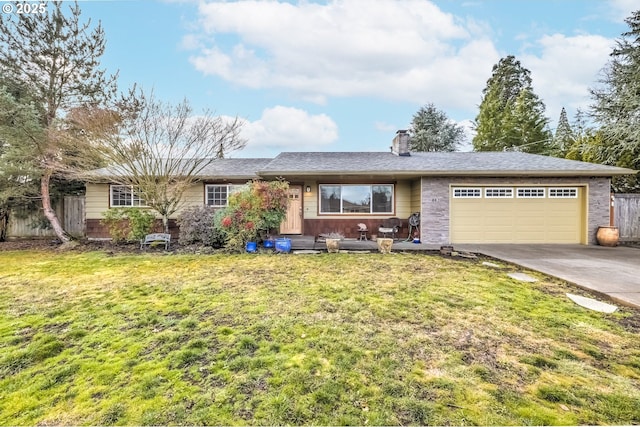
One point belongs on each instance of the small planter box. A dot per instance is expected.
(333, 245)
(384, 245)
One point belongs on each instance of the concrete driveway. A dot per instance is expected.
(612, 272)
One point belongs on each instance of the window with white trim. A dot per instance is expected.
(563, 193)
(530, 193)
(356, 198)
(217, 195)
(498, 193)
(124, 196)
(467, 193)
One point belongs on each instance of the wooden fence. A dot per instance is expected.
(627, 216)
(73, 216)
(33, 224)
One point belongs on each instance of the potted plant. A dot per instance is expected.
(333, 242)
(384, 245)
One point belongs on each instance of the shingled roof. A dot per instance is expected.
(218, 169)
(424, 164)
(346, 164)
(235, 168)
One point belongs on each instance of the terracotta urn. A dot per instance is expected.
(608, 236)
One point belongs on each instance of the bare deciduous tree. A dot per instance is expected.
(157, 148)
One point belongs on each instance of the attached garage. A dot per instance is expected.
(518, 214)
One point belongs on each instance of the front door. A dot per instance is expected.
(292, 223)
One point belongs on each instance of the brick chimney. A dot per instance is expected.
(400, 145)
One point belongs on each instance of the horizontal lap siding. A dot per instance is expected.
(310, 200)
(193, 197)
(404, 207)
(97, 199)
(97, 202)
(416, 190)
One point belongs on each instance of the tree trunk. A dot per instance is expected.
(4, 222)
(49, 213)
(165, 223)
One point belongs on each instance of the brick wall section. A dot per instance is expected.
(95, 230)
(599, 205)
(434, 219)
(435, 201)
(349, 227)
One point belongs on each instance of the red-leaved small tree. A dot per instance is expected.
(252, 212)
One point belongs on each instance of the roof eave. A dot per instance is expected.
(540, 173)
(227, 177)
(414, 173)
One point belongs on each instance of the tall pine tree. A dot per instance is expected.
(616, 106)
(564, 137)
(57, 57)
(511, 116)
(432, 130)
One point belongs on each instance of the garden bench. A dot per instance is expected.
(156, 239)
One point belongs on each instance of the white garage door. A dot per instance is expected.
(518, 214)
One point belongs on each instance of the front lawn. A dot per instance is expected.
(331, 339)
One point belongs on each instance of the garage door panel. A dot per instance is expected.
(517, 220)
(533, 216)
(529, 238)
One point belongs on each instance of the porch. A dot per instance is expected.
(300, 242)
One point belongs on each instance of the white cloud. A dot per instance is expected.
(287, 129)
(385, 127)
(565, 70)
(190, 42)
(622, 9)
(400, 50)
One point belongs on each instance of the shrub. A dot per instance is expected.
(252, 212)
(141, 223)
(197, 227)
(128, 224)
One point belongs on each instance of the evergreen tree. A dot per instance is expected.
(511, 116)
(431, 130)
(20, 123)
(56, 57)
(564, 137)
(583, 137)
(616, 106)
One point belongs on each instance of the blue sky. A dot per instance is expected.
(344, 75)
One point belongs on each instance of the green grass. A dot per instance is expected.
(331, 339)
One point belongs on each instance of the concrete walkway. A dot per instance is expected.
(611, 272)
